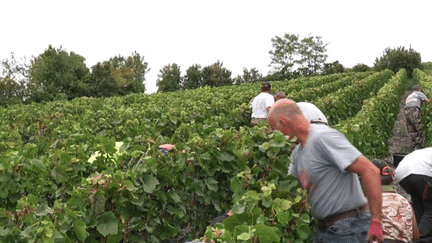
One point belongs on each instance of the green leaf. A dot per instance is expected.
(303, 232)
(281, 204)
(263, 147)
(244, 236)
(137, 199)
(278, 141)
(174, 196)
(267, 202)
(43, 210)
(129, 186)
(266, 233)
(38, 164)
(107, 224)
(71, 213)
(150, 183)
(80, 230)
(114, 238)
(4, 231)
(179, 211)
(252, 195)
(32, 199)
(239, 208)
(205, 156)
(58, 176)
(211, 184)
(224, 156)
(98, 203)
(305, 217)
(283, 218)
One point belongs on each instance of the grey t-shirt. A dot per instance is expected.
(415, 99)
(320, 168)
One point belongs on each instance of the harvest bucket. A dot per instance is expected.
(397, 157)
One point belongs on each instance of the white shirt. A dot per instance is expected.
(311, 112)
(260, 104)
(418, 162)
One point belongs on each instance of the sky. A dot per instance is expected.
(237, 33)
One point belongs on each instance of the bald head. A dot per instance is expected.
(285, 115)
(284, 108)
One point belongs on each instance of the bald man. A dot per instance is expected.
(328, 166)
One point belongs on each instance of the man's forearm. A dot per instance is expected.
(372, 189)
(371, 180)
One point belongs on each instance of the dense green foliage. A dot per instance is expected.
(361, 67)
(334, 67)
(193, 78)
(89, 169)
(56, 74)
(169, 78)
(12, 81)
(369, 129)
(398, 58)
(129, 73)
(425, 81)
(216, 75)
(347, 101)
(59, 75)
(11, 92)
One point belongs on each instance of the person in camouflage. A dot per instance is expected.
(413, 117)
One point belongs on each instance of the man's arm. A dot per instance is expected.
(371, 179)
(268, 109)
(416, 233)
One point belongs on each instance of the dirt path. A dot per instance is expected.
(400, 142)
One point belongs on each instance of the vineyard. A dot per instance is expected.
(89, 170)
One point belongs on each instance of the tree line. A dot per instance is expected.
(57, 74)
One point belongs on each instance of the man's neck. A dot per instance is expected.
(304, 131)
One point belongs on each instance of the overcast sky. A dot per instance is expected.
(235, 32)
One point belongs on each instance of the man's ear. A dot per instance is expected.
(284, 121)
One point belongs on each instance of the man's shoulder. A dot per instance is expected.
(326, 134)
(267, 95)
(263, 94)
(324, 129)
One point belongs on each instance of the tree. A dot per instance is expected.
(312, 55)
(102, 81)
(283, 54)
(249, 76)
(56, 73)
(13, 81)
(168, 78)
(292, 56)
(11, 92)
(193, 78)
(360, 67)
(216, 75)
(395, 59)
(129, 73)
(334, 67)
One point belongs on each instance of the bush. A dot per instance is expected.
(334, 67)
(360, 67)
